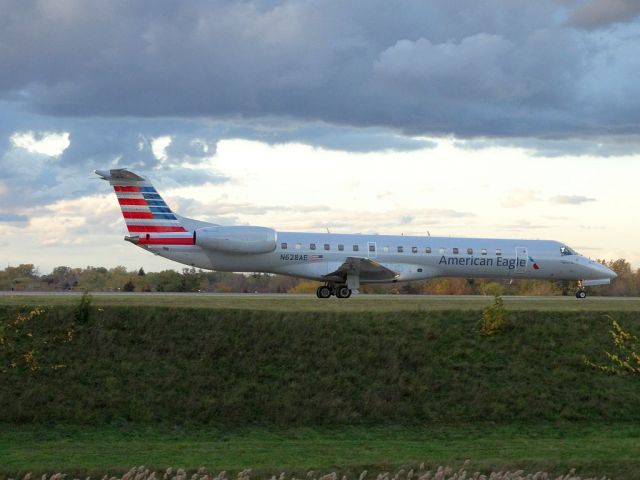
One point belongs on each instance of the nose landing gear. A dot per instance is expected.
(581, 293)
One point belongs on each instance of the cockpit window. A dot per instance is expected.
(564, 250)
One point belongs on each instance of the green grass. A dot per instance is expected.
(307, 303)
(243, 367)
(612, 450)
(295, 390)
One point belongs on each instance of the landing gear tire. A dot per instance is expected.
(323, 292)
(581, 294)
(343, 292)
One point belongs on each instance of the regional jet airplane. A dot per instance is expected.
(342, 262)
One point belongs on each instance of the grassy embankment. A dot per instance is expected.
(288, 390)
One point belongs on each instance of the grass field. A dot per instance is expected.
(292, 383)
(305, 303)
(612, 450)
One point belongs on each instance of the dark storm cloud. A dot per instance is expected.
(496, 68)
(329, 137)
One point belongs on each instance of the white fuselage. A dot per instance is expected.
(314, 255)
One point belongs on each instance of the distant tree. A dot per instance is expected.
(141, 272)
(410, 288)
(129, 286)
(492, 288)
(305, 286)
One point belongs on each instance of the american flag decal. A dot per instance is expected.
(315, 258)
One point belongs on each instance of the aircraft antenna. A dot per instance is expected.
(328, 230)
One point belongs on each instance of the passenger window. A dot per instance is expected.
(340, 247)
(312, 246)
(441, 251)
(483, 251)
(400, 249)
(455, 251)
(372, 248)
(414, 249)
(327, 246)
(356, 248)
(470, 251)
(385, 249)
(283, 246)
(427, 250)
(298, 246)
(498, 252)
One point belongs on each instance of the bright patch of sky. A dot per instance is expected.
(47, 143)
(159, 147)
(445, 190)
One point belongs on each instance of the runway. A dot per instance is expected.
(309, 302)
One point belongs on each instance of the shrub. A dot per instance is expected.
(494, 318)
(626, 355)
(25, 347)
(83, 308)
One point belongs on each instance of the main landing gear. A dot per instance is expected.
(340, 291)
(581, 293)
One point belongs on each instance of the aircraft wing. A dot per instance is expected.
(365, 268)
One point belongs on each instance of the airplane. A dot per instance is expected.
(342, 262)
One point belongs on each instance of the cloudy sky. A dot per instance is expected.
(505, 118)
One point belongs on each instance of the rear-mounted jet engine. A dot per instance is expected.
(239, 239)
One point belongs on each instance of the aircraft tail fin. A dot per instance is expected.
(148, 217)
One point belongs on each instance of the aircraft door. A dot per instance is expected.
(522, 259)
(372, 250)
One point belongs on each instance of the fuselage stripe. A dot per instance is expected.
(149, 215)
(166, 241)
(121, 188)
(152, 196)
(160, 209)
(150, 221)
(137, 214)
(131, 201)
(155, 228)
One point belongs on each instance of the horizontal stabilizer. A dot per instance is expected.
(119, 174)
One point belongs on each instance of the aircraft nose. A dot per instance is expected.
(606, 271)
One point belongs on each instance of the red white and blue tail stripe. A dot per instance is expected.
(149, 219)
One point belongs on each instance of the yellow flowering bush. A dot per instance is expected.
(20, 346)
(626, 355)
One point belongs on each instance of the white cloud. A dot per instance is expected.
(159, 147)
(571, 199)
(519, 197)
(47, 143)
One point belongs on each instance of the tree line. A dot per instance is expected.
(63, 278)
